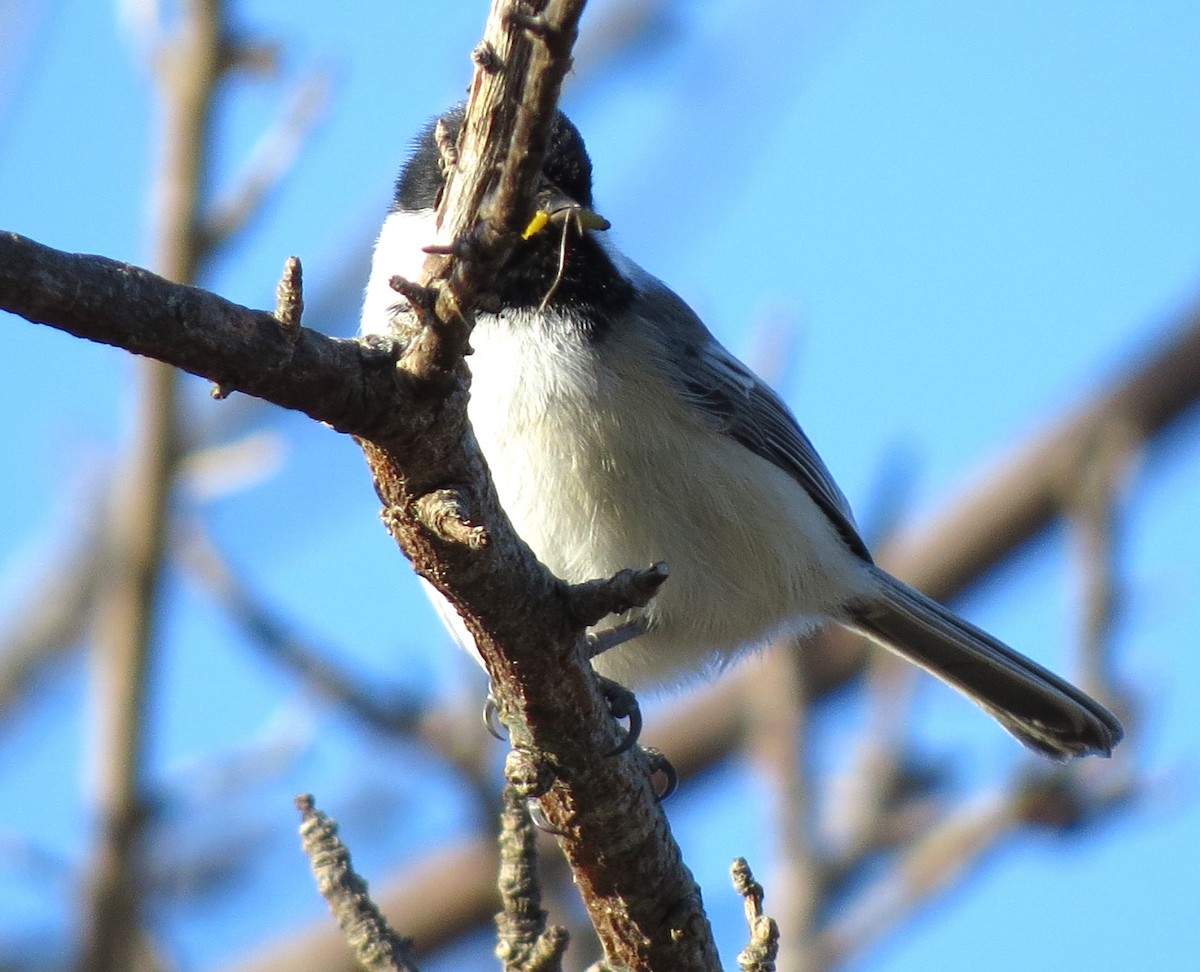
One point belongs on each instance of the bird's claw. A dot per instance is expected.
(491, 718)
(538, 817)
(623, 704)
(660, 764)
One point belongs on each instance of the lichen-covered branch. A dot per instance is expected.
(525, 942)
(376, 945)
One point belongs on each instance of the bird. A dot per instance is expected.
(619, 433)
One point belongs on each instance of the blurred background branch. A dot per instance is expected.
(190, 69)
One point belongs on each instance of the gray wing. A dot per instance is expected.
(739, 404)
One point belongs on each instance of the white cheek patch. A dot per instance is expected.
(399, 252)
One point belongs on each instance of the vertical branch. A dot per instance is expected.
(641, 898)
(526, 943)
(762, 951)
(190, 67)
(1093, 506)
(874, 776)
(779, 741)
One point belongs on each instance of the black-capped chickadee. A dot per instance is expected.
(619, 433)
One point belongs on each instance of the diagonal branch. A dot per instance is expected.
(377, 946)
(410, 417)
(1148, 400)
(1024, 494)
(642, 900)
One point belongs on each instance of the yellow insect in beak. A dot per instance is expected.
(585, 219)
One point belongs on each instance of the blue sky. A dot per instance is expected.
(970, 214)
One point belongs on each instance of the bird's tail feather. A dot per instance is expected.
(1042, 710)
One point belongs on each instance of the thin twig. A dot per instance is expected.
(267, 632)
(778, 741)
(762, 951)
(525, 943)
(374, 943)
(272, 160)
(883, 799)
(931, 865)
(55, 603)
(460, 880)
(1094, 503)
(289, 296)
(1061, 800)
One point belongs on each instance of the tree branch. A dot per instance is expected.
(376, 945)
(338, 382)
(642, 900)
(409, 415)
(1024, 493)
(190, 71)
(943, 556)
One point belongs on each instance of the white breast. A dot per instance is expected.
(600, 466)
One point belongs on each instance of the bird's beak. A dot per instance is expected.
(559, 209)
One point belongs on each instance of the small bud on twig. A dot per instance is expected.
(289, 297)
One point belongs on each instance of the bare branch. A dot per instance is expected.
(273, 636)
(525, 943)
(778, 742)
(448, 891)
(603, 810)
(881, 798)
(1094, 504)
(1023, 493)
(1061, 800)
(55, 604)
(190, 72)
(271, 161)
(931, 865)
(340, 383)
(374, 943)
(762, 951)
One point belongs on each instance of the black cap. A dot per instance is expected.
(562, 268)
(566, 164)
